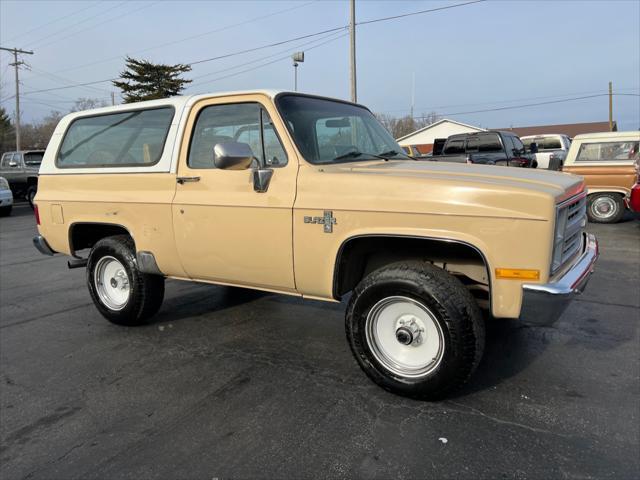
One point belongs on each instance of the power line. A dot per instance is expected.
(287, 51)
(66, 29)
(262, 47)
(384, 19)
(102, 22)
(287, 57)
(192, 37)
(532, 104)
(50, 22)
(282, 42)
(510, 100)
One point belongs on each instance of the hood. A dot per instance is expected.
(559, 185)
(441, 188)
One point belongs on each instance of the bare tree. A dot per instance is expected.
(401, 126)
(87, 104)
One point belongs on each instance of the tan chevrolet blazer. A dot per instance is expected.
(312, 197)
(607, 162)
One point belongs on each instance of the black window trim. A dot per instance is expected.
(119, 165)
(261, 108)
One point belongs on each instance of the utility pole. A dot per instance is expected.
(17, 64)
(610, 106)
(113, 98)
(352, 34)
(413, 92)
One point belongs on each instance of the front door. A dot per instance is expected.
(225, 231)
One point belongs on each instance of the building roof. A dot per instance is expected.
(439, 122)
(569, 129)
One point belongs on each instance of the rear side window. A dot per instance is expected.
(454, 147)
(608, 152)
(33, 159)
(489, 143)
(550, 143)
(123, 139)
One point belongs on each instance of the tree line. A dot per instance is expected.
(143, 80)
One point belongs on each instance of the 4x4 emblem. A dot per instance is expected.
(328, 221)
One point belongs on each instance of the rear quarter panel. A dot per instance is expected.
(141, 203)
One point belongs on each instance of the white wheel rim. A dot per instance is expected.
(396, 315)
(604, 207)
(112, 283)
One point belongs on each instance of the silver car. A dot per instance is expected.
(6, 198)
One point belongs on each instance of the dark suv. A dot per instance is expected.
(487, 148)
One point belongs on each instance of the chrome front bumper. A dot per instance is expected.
(544, 303)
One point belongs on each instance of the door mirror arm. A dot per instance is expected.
(261, 179)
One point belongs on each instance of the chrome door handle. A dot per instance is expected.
(183, 180)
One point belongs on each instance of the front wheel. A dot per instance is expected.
(122, 294)
(415, 330)
(605, 208)
(5, 211)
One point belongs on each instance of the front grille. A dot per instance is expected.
(570, 222)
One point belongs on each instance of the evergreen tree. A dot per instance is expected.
(143, 80)
(7, 133)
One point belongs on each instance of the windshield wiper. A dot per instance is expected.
(357, 153)
(392, 153)
(386, 156)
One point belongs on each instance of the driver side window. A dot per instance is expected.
(240, 122)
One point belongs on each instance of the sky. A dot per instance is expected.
(479, 63)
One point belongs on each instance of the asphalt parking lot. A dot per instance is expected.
(229, 383)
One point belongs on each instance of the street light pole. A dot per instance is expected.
(297, 57)
(352, 34)
(17, 64)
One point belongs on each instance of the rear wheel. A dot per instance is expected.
(5, 211)
(605, 208)
(122, 294)
(31, 194)
(415, 330)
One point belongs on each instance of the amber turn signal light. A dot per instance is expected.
(517, 274)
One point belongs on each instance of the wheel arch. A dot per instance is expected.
(354, 254)
(85, 234)
(619, 190)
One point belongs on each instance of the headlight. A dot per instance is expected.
(4, 185)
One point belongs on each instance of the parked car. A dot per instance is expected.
(412, 151)
(21, 171)
(6, 198)
(324, 203)
(551, 150)
(607, 163)
(486, 148)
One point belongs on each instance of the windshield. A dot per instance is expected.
(328, 131)
(33, 159)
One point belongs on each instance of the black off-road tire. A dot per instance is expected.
(146, 291)
(5, 211)
(613, 200)
(30, 195)
(455, 309)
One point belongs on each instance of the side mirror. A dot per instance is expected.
(232, 156)
(534, 147)
(13, 164)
